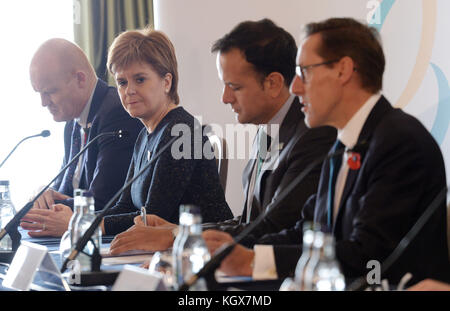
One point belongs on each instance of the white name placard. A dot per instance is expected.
(133, 278)
(32, 261)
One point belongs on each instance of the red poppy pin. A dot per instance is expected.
(354, 161)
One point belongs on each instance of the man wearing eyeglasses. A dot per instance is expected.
(373, 197)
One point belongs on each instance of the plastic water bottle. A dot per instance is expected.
(67, 243)
(310, 268)
(308, 239)
(86, 218)
(180, 239)
(7, 212)
(192, 251)
(324, 272)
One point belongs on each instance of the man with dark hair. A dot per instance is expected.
(256, 62)
(374, 197)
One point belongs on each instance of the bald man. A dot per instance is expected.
(61, 73)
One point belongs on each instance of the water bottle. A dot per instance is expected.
(192, 251)
(87, 216)
(325, 272)
(7, 212)
(180, 239)
(310, 267)
(308, 239)
(67, 243)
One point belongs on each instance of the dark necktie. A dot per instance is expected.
(335, 165)
(67, 183)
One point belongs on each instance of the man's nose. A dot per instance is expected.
(297, 86)
(227, 95)
(45, 100)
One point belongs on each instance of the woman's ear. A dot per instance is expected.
(168, 82)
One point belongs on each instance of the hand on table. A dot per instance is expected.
(47, 222)
(238, 262)
(142, 238)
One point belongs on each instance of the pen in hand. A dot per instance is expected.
(144, 215)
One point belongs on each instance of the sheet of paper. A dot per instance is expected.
(104, 251)
(123, 260)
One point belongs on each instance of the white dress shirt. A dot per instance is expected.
(272, 129)
(82, 121)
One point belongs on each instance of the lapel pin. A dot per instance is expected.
(354, 161)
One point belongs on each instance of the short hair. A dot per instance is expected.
(266, 46)
(348, 37)
(146, 46)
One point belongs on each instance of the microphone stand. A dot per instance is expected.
(361, 282)
(43, 134)
(210, 267)
(11, 227)
(81, 243)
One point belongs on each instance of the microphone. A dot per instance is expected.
(14, 222)
(361, 282)
(82, 241)
(226, 249)
(44, 133)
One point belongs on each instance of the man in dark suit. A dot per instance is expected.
(378, 193)
(70, 89)
(262, 55)
(256, 63)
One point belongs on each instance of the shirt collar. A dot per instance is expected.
(83, 118)
(350, 133)
(278, 118)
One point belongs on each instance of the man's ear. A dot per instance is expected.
(346, 69)
(81, 79)
(274, 84)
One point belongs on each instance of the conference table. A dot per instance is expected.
(110, 270)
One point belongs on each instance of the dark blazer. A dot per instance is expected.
(173, 179)
(301, 146)
(106, 162)
(402, 171)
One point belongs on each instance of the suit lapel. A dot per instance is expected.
(290, 125)
(246, 178)
(97, 99)
(374, 118)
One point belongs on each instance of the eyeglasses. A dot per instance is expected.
(301, 70)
